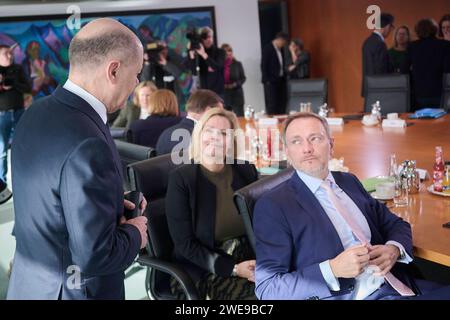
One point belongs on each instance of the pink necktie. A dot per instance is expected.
(399, 286)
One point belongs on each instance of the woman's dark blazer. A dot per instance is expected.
(190, 210)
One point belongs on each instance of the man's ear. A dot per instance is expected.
(113, 70)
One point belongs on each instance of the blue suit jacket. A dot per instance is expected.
(294, 235)
(68, 200)
(166, 145)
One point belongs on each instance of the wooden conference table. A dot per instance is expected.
(366, 151)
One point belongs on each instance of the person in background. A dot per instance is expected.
(375, 55)
(234, 79)
(398, 54)
(210, 60)
(163, 113)
(13, 86)
(429, 61)
(274, 75)
(298, 60)
(137, 108)
(444, 27)
(208, 232)
(178, 137)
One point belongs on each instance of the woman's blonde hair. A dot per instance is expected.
(164, 103)
(141, 85)
(195, 147)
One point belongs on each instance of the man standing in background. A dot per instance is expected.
(375, 53)
(274, 75)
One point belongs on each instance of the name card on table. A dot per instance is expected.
(393, 123)
(335, 121)
(268, 121)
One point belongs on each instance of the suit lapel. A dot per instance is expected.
(68, 98)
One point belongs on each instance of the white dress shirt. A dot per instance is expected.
(280, 59)
(96, 104)
(366, 283)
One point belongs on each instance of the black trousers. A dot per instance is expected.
(276, 97)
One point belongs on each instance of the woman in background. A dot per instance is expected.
(298, 60)
(444, 27)
(398, 54)
(162, 109)
(234, 79)
(207, 231)
(137, 107)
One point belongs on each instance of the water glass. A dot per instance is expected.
(401, 193)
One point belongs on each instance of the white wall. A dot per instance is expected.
(237, 23)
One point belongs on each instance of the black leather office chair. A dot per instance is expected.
(130, 153)
(151, 178)
(392, 90)
(314, 91)
(445, 101)
(245, 198)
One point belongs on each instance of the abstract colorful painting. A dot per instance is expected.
(42, 42)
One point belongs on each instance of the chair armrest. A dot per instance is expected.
(175, 271)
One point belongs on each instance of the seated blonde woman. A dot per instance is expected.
(163, 113)
(208, 232)
(137, 108)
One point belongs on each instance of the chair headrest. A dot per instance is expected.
(391, 81)
(130, 152)
(308, 85)
(151, 176)
(251, 193)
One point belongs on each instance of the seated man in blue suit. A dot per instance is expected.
(72, 240)
(320, 235)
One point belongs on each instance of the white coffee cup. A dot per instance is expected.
(385, 190)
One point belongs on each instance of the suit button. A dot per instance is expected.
(351, 287)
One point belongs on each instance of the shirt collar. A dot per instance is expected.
(378, 33)
(190, 118)
(96, 104)
(313, 183)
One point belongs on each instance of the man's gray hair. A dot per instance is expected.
(305, 115)
(92, 51)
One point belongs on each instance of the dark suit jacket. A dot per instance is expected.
(270, 65)
(146, 132)
(237, 75)
(127, 116)
(165, 143)
(430, 59)
(190, 209)
(68, 200)
(375, 58)
(294, 235)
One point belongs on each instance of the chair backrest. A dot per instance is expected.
(392, 90)
(314, 91)
(445, 101)
(130, 153)
(151, 177)
(245, 198)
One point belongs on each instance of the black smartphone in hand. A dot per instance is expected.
(136, 197)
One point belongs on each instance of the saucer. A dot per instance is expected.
(431, 190)
(375, 196)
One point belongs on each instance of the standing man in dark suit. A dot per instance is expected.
(178, 137)
(274, 75)
(320, 235)
(72, 241)
(375, 53)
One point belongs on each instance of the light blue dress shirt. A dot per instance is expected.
(363, 287)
